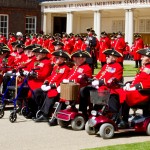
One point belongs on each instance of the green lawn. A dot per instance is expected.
(128, 71)
(133, 146)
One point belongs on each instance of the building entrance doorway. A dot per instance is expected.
(59, 25)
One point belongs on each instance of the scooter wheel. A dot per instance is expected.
(38, 113)
(78, 123)
(13, 117)
(24, 111)
(106, 131)
(63, 124)
(1, 112)
(90, 130)
(148, 129)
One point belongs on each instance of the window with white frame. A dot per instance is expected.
(118, 25)
(144, 25)
(30, 24)
(4, 24)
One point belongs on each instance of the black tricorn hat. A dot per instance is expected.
(145, 52)
(119, 33)
(4, 49)
(137, 35)
(103, 33)
(61, 53)
(2, 44)
(19, 45)
(14, 43)
(32, 46)
(40, 50)
(81, 53)
(57, 43)
(112, 52)
(89, 29)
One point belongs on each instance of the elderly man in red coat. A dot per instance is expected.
(108, 72)
(137, 45)
(49, 88)
(132, 91)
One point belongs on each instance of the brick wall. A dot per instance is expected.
(17, 10)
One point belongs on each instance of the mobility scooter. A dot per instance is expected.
(101, 121)
(71, 115)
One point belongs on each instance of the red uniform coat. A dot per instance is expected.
(83, 69)
(45, 43)
(120, 45)
(34, 40)
(108, 71)
(20, 59)
(138, 44)
(39, 41)
(58, 74)
(67, 46)
(77, 45)
(104, 44)
(3, 40)
(43, 72)
(11, 39)
(27, 42)
(141, 81)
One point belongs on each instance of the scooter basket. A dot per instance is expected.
(99, 97)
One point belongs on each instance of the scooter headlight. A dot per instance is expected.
(93, 112)
(92, 122)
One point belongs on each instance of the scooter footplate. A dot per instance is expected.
(63, 116)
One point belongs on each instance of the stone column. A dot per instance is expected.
(130, 31)
(97, 23)
(98, 31)
(44, 23)
(69, 22)
(126, 24)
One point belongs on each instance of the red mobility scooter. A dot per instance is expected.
(71, 115)
(100, 121)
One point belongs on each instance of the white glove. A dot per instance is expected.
(87, 42)
(80, 76)
(25, 72)
(9, 71)
(131, 89)
(65, 81)
(126, 87)
(18, 74)
(95, 83)
(58, 89)
(45, 88)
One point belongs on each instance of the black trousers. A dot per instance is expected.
(85, 98)
(39, 97)
(48, 104)
(138, 63)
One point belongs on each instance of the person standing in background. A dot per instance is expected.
(137, 45)
(104, 44)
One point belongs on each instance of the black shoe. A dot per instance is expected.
(53, 122)
(123, 125)
(42, 118)
(30, 115)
